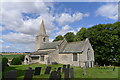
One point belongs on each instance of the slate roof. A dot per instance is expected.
(40, 53)
(51, 45)
(76, 47)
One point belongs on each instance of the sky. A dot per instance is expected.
(20, 21)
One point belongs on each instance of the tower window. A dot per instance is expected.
(44, 39)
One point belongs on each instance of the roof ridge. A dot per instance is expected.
(76, 42)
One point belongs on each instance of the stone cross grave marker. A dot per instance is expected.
(11, 75)
(37, 70)
(28, 74)
(47, 70)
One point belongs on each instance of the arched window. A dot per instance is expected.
(44, 39)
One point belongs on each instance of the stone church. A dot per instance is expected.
(74, 53)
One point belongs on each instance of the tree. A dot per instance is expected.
(59, 37)
(16, 61)
(69, 36)
(82, 34)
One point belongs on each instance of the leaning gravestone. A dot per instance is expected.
(28, 74)
(11, 75)
(64, 67)
(71, 73)
(47, 70)
(37, 71)
(53, 75)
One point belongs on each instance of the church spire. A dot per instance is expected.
(42, 29)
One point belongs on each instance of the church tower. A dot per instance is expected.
(42, 37)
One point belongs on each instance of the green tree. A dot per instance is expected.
(59, 37)
(82, 34)
(69, 36)
(16, 61)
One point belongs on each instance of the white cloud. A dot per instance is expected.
(12, 17)
(109, 11)
(1, 41)
(19, 38)
(67, 18)
(66, 29)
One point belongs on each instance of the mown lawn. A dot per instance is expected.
(91, 72)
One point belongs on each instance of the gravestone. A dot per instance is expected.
(47, 70)
(64, 67)
(68, 66)
(59, 69)
(37, 71)
(84, 70)
(28, 74)
(29, 68)
(53, 75)
(71, 72)
(11, 75)
(58, 75)
(66, 73)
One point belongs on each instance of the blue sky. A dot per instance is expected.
(21, 21)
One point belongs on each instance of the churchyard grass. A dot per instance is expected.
(95, 72)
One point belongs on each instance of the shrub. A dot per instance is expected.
(16, 61)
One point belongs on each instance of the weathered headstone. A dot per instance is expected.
(71, 72)
(11, 75)
(47, 70)
(28, 74)
(68, 66)
(64, 67)
(84, 70)
(66, 73)
(53, 75)
(58, 75)
(37, 71)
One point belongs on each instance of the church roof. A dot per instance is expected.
(51, 45)
(76, 47)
